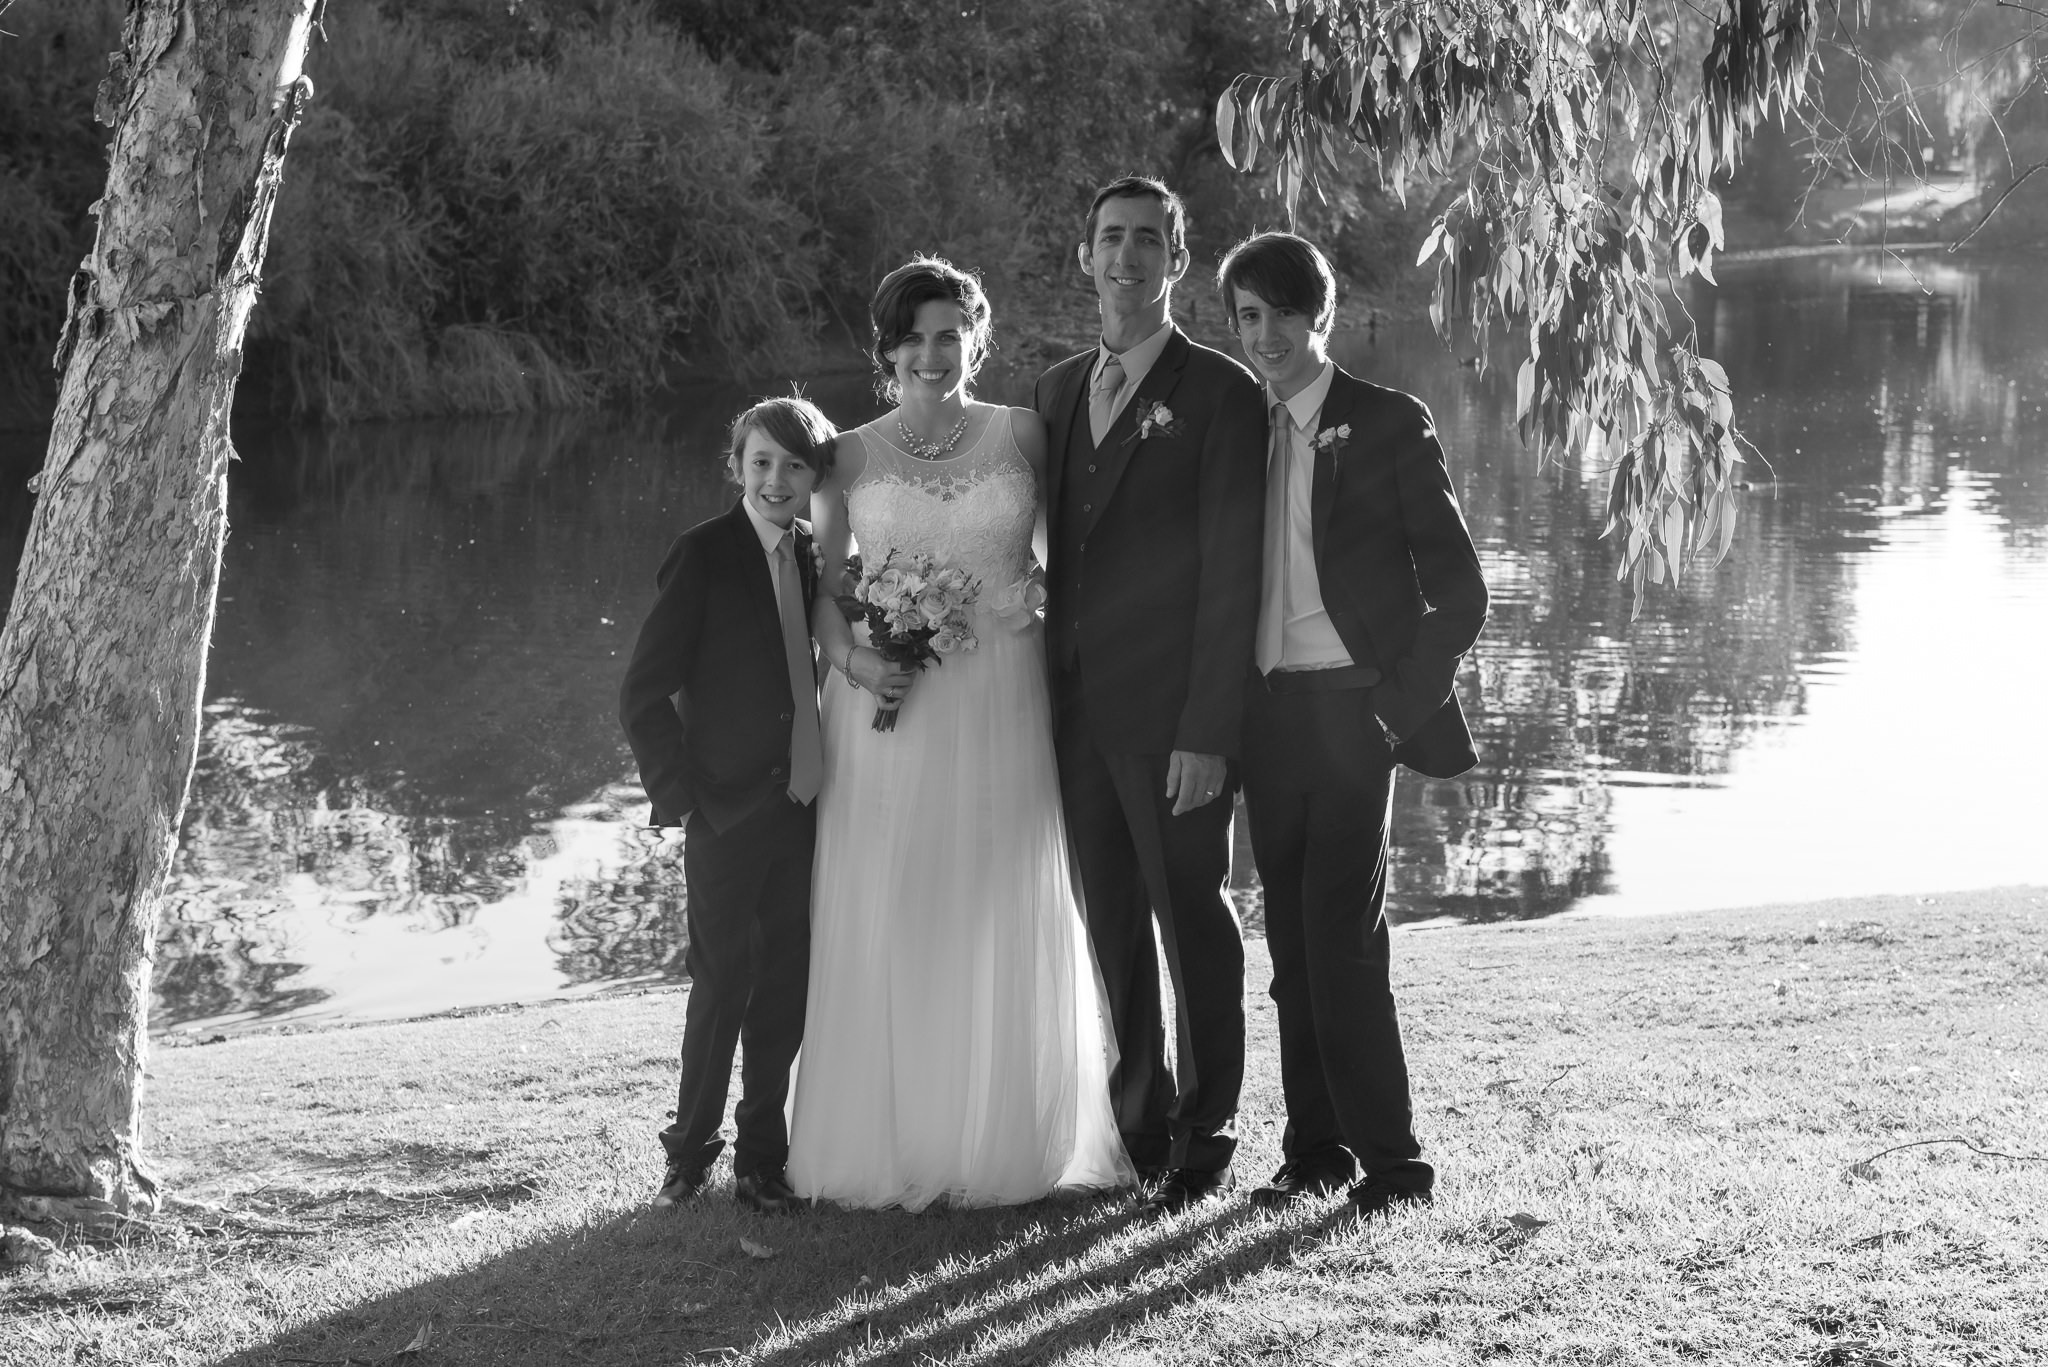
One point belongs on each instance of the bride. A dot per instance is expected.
(955, 1045)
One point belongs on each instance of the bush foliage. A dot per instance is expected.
(505, 204)
(52, 167)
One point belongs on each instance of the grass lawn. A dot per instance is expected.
(1657, 1141)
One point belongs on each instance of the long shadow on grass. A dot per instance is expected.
(1005, 1286)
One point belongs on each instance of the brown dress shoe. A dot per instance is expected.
(1298, 1182)
(678, 1184)
(1373, 1197)
(1182, 1188)
(766, 1192)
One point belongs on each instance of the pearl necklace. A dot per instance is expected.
(930, 450)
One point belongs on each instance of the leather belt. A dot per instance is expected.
(1320, 680)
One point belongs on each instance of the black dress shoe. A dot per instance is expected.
(1182, 1188)
(765, 1192)
(679, 1183)
(1298, 1182)
(1374, 1197)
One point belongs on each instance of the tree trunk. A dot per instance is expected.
(103, 658)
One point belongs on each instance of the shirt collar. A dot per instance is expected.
(1138, 360)
(770, 534)
(1308, 400)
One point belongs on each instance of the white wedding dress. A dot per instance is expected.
(955, 1042)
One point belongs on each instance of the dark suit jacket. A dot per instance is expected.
(1396, 566)
(1170, 554)
(706, 700)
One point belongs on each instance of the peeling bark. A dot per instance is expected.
(103, 658)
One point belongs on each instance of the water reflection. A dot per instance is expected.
(412, 792)
(412, 789)
(1883, 395)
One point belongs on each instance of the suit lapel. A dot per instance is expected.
(1122, 440)
(1322, 493)
(1066, 403)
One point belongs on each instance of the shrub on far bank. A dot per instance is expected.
(893, 171)
(493, 207)
(484, 233)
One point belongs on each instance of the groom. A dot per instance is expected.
(1154, 483)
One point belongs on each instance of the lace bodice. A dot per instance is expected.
(974, 509)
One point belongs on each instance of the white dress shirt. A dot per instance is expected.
(1137, 363)
(770, 534)
(1308, 639)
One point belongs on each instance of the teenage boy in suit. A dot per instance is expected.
(720, 704)
(1152, 506)
(1371, 593)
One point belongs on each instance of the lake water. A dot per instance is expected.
(412, 793)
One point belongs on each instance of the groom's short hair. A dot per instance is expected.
(1286, 271)
(1142, 187)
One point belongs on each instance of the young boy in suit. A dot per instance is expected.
(1370, 595)
(720, 703)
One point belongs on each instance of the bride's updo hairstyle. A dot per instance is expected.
(894, 311)
(794, 424)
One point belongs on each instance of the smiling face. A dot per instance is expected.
(1280, 342)
(777, 482)
(936, 356)
(1131, 259)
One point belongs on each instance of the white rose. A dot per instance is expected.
(887, 588)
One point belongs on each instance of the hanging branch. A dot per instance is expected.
(1585, 161)
(2014, 184)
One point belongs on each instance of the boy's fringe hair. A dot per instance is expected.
(792, 422)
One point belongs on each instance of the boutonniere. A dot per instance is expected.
(1156, 417)
(817, 560)
(1331, 439)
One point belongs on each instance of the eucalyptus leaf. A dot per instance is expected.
(1548, 231)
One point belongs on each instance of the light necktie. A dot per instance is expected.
(806, 748)
(1102, 399)
(1273, 602)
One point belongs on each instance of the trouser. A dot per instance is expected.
(1319, 781)
(749, 920)
(1136, 862)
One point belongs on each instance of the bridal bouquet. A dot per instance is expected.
(916, 611)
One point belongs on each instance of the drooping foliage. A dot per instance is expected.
(1581, 145)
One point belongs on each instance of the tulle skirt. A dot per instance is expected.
(955, 1042)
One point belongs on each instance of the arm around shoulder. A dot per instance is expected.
(833, 537)
(863, 666)
(1028, 430)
